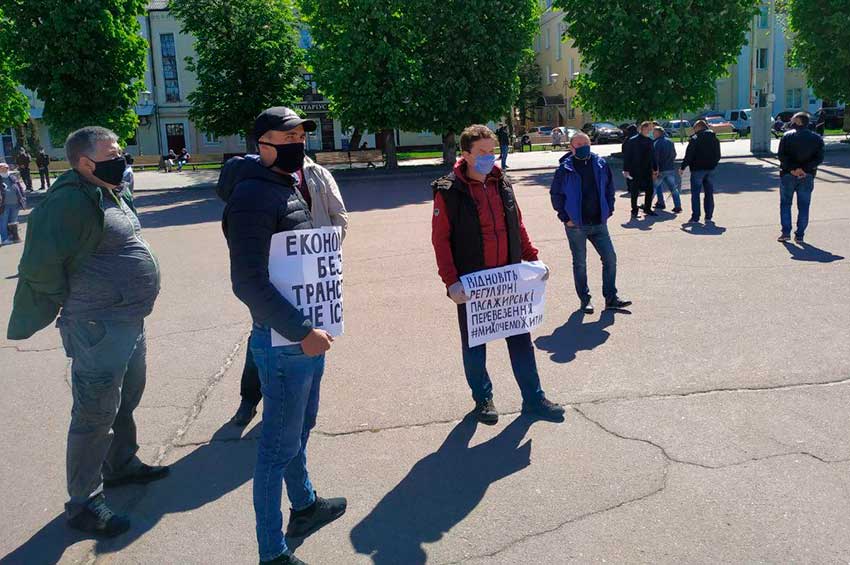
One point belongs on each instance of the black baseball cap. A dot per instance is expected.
(280, 118)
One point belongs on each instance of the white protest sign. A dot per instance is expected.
(504, 301)
(305, 266)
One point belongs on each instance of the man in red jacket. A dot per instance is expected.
(477, 225)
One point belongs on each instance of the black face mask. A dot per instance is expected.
(290, 156)
(111, 171)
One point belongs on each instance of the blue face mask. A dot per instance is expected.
(583, 152)
(484, 164)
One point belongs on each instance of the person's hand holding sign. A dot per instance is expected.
(545, 276)
(457, 293)
(316, 343)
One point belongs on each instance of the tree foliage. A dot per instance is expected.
(248, 59)
(14, 106)
(656, 58)
(365, 60)
(822, 45)
(84, 59)
(530, 91)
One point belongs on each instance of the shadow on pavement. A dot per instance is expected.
(439, 492)
(646, 222)
(195, 480)
(575, 335)
(810, 253)
(708, 228)
(182, 207)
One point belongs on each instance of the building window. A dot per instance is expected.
(305, 40)
(764, 21)
(7, 143)
(548, 38)
(169, 67)
(548, 77)
(572, 68)
(794, 98)
(537, 43)
(571, 114)
(558, 52)
(761, 62)
(211, 139)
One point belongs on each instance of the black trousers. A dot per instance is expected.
(638, 187)
(250, 387)
(44, 176)
(26, 177)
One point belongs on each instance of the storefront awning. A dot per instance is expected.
(557, 100)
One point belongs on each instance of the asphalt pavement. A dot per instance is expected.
(707, 424)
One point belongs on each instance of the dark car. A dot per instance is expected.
(786, 115)
(603, 132)
(833, 118)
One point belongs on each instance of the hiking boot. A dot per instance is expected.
(587, 306)
(783, 238)
(544, 410)
(323, 511)
(283, 559)
(244, 414)
(617, 304)
(97, 518)
(143, 474)
(485, 412)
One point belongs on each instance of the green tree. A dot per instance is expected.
(248, 60)
(84, 59)
(365, 60)
(530, 90)
(822, 45)
(14, 106)
(656, 58)
(472, 52)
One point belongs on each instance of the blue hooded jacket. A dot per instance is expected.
(566, 189)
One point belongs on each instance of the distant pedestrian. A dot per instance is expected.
(638, 166)
(85, 256)
(129, 176)
(42, 161)
(477, 225)
(182, 159)
(665, 170)
(364, 146)
(582, 194)
(557, 138)
(12, 201)
(525, 140)
(800, 154)
(504, 136)
(702, 156)
(22, 160)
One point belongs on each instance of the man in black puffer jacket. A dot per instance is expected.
(265, 202)
(702, 156)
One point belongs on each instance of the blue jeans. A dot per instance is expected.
(9, 215)
(803, 188)
(523, 363)
(578, 237)
(700, 180)
(671, 180)
(503, 153)
(290, 384)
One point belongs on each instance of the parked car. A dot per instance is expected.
(740, 120)
(603, 132)
(678, 128)
(709, 114)
(833, 117)
(786, 115)
(719, 125)
(568, 132)
(540, 130)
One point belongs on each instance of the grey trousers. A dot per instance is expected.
(108, 372)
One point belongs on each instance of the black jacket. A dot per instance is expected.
(703, 152)
(261, 203)
(800, 149)
(638, 157)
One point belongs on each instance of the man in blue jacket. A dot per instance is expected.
(665, 169)
(265, 201)
(582, 194)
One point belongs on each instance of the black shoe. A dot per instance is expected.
(649, 212)
(693, 221)
(485, 412)
(284, 559)
(709, 221)
(544, 410)
(660, 206)
(587, 306)
(677, 210)
(324, 511)
(798, 239)
(143, 475)
(634, 214)
(783, 238)
(617, 304)
(244, 414)
(99, 520)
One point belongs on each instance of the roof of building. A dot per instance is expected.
(158, 5)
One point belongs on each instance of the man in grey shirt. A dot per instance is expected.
(86, 255)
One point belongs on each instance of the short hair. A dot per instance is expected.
(701, 124)
(804, 118)
(579, 135)
(660, 130)
(646, 125)
(83, 142)
(474, 133)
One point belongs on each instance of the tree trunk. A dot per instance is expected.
(354, 144)
(250, 141)
(390, 149)
(449, 148)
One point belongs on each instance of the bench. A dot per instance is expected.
(368, 156)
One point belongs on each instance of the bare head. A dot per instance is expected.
(658, 132)
(579, 140)
(700, 125)
(4, 169)
(801, 119)
(87, 147)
